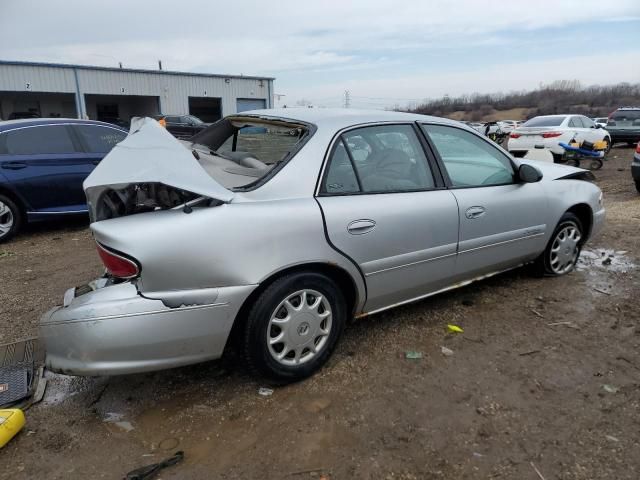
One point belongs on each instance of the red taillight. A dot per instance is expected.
(551, 134)
(117, 265)
(515, 135)
(638, 148)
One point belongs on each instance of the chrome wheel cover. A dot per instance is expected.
(299, 327)
(6, 219)
(565, 249)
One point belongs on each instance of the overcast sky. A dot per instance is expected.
(383, 52)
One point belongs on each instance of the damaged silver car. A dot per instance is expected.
(274, 227)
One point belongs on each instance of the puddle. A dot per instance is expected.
(604, 260)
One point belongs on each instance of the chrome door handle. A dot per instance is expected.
(360, 227)
(475, 212)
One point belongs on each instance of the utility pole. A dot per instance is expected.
(347, 99)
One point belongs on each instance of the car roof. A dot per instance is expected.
(33, 122)
(342, 117)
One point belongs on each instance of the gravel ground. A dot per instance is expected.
(544, 379)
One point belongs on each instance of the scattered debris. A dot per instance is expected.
(599, 290)
(454, 329)
(5, 253)
(265, 391)
(309, 471)
(477, 455)
(411, 355)
(149, 471)
(610, 388)
(535, 312)
(612, 438)
(537, 471)
(566, 324)
(447, 352)
(530, 352)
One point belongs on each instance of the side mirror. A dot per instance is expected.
(529, 174)
(597, 125)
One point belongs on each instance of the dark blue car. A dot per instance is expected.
(43, 163)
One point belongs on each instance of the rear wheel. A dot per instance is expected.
(293, 327)
(562, 252)
(10, 218)
(638, 185)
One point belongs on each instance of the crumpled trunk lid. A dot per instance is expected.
(151, 155)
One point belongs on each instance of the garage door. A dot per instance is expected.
(244, 104)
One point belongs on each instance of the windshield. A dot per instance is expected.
(195, 120)
(544, 122)
(626, 115)
(239, 151)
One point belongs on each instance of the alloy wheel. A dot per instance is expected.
(6, 219)
(565, 249)
(299, 327)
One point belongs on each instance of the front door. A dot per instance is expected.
(385, 209)
(502, 221)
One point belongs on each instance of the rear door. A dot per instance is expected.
(95, 141)
(502, 222)
(387, 209)
(46, 166)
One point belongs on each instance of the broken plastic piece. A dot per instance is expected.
(447, 352)
(455, 329)
(265, 392)
(411, 355)
(610, 388)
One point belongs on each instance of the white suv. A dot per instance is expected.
(548, 131)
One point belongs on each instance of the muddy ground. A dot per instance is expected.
(545, 377)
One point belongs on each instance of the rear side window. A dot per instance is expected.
(544, 122)
(378, 159)
(173, 119)
(470, 160)
(575, 122)
(99, 139)
(52, 139)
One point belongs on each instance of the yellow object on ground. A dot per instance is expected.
(11, 422)
(455, 329)
(600, 145)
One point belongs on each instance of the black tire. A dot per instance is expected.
(543, 264)
(558, 158)
(609, 145)
(638, 185)
(16, 218)
(257, 330)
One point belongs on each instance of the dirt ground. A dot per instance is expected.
(543, 384)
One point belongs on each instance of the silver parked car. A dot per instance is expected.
(273, 227)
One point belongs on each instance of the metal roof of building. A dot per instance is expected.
(131, 70)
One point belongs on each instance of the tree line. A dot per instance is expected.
(561, 96)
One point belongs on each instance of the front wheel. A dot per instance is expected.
(563, 250)
(294, 326)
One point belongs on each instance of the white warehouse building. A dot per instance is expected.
(117, 94)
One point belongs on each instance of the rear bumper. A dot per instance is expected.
(114, 330)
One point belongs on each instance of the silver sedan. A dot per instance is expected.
(271, 228)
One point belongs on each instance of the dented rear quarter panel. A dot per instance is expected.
(233, 244)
